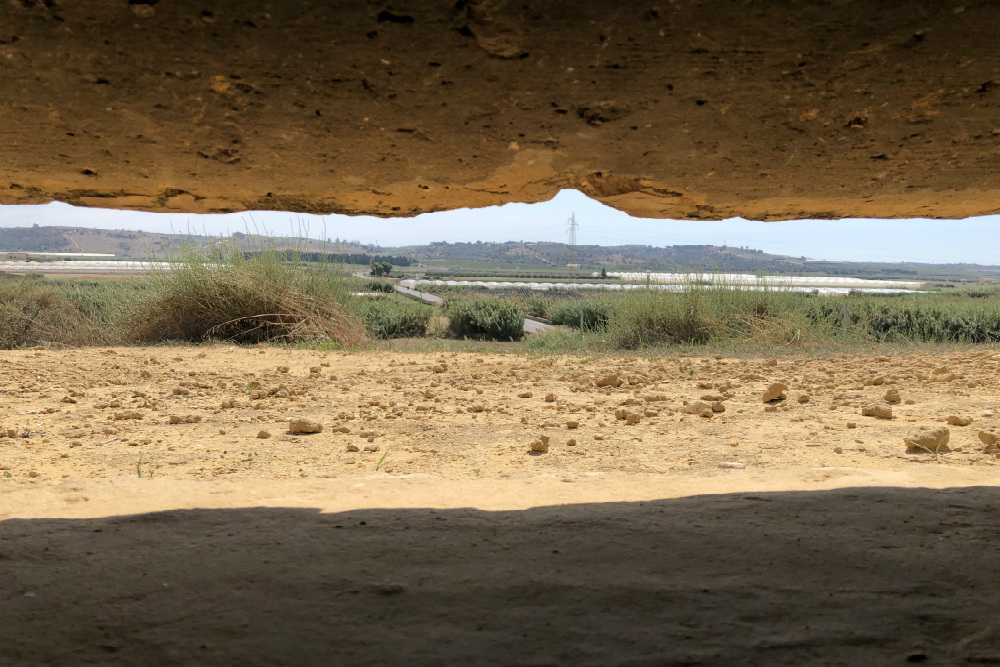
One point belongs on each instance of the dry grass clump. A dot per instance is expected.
(32, 314)
(246, 298)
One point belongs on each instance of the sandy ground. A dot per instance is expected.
(832, 545)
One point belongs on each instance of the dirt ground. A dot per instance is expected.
(453, 542)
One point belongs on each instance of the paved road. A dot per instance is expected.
(530, 326)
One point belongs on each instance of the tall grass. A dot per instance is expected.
(240, 297)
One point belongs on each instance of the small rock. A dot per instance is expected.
(351, 447)
(524, 394)
(263, 435)
(804, 398)
(609, 381)
(304, 426)
(627, 416)
(892, 396)
(371, 447)
(734, 465)
(989, 438)
(572, 424)
(185, 419)
(717, 406)
(838, 450)
(877, 411)
(771, 362)
(540, 446)
(776, 392)
(852, 424)
(550, 398)
(955, 420)
(698, 408)
(571, 442)
(933, 438)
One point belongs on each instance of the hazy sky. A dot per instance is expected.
(938, 241)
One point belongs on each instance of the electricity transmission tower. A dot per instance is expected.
(571, 227)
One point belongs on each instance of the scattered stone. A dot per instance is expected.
(302, 425)
(852, 424)
(717, 406)
(733, 465)
(910, 401)
(128, 414)
(627, 416)
(181, 391)
(524, 394)
(371, 447)
(609, 381)
(550, 398)
(770, 408)
(68, 399)
(540, 446)
(699, 408)
(440, 368)
(955, 420)
(651, 413)
(315, 370)
(572, 424)
(571, 442)
(353, 448)
(367, 434)
(478, 407)
(263, 435)
(776, 392)
(804, 398)
(32, 473)
(892, 396)
(427, 393)
(877, 411)
(933, 438)
(771, 362)
(185, 419)
(282, 369)
(228, 403)
(838, 450)
(989, 438)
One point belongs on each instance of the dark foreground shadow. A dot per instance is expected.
(873, 576)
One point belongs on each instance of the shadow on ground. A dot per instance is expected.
(874, 576)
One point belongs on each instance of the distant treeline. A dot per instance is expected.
(340, 258)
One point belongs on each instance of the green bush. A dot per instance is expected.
(495, 319)
(32, 314)
(595, 313)
(392, 319)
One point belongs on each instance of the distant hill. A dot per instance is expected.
(137, 244)
(680, 258)
(484, 258)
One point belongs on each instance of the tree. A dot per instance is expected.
(604, 272)
(381, 269)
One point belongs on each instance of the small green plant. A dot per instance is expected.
(138, 467)
(379, 464)
(7, 475)
(936, 452)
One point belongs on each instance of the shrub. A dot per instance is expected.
(495, 319)
(595, 314)
(31, 314)
(391, 319)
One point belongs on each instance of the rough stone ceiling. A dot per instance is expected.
(673, 108)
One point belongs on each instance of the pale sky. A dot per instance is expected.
(973, 240)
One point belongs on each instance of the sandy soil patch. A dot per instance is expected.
(526, 510)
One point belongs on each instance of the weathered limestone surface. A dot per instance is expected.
(679, 108)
